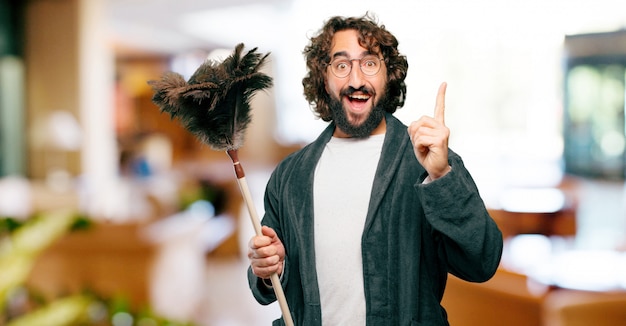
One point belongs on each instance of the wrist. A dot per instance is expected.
(432, 177)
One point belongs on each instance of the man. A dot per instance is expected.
(364, 224)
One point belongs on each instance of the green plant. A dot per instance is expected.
(20, 245)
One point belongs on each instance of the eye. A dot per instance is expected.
(370, 62)
(342, 65)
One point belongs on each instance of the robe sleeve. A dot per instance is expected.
(263, 293)
(471, 240)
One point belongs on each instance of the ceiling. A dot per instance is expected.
(162, 26)
(176, 26)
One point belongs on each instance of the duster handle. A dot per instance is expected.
(254, 218)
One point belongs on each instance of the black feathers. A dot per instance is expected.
(214, 104)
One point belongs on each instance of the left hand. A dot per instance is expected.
(266, 253)
(429, 136)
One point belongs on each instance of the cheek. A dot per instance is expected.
(332, 87)
(381, 85)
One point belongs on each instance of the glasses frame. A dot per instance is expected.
(360, 60)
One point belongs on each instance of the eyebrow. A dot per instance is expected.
(345, 54)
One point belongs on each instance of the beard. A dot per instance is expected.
(364, 129)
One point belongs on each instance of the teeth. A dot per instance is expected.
(360, 97)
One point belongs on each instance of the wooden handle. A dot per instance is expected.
(232, 153)
(256, 222)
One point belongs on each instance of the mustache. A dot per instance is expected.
(363, 89)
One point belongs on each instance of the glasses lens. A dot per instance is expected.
(370, 65)
(341, 67)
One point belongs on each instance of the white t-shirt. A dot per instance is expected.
(342, 188)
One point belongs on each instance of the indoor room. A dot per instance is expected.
(113, 213)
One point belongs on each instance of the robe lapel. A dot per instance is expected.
(396, 139)
(303, 211)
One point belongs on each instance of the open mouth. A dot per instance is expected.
(357, 103)
(357, 100)
(362, 98)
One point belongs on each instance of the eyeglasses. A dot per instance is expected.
(369, 64)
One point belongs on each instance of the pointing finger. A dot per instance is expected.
(440, 103)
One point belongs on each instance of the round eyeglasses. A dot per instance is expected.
(369, 64)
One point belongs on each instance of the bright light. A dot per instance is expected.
(531, 200)
(612, 144)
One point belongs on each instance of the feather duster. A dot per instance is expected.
(214, 105)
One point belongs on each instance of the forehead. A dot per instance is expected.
(346, 43)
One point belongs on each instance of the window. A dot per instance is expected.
(595, 78)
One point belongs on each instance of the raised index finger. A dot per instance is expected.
(440, 103)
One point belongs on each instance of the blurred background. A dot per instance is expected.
(114, 214)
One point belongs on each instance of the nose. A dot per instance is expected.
(356, 75)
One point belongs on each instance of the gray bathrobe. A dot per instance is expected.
(414, 234)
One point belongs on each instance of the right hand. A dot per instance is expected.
(429, 136)
(266, 253)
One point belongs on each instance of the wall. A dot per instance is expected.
(52, 82)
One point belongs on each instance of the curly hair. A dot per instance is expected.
(373, 37)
